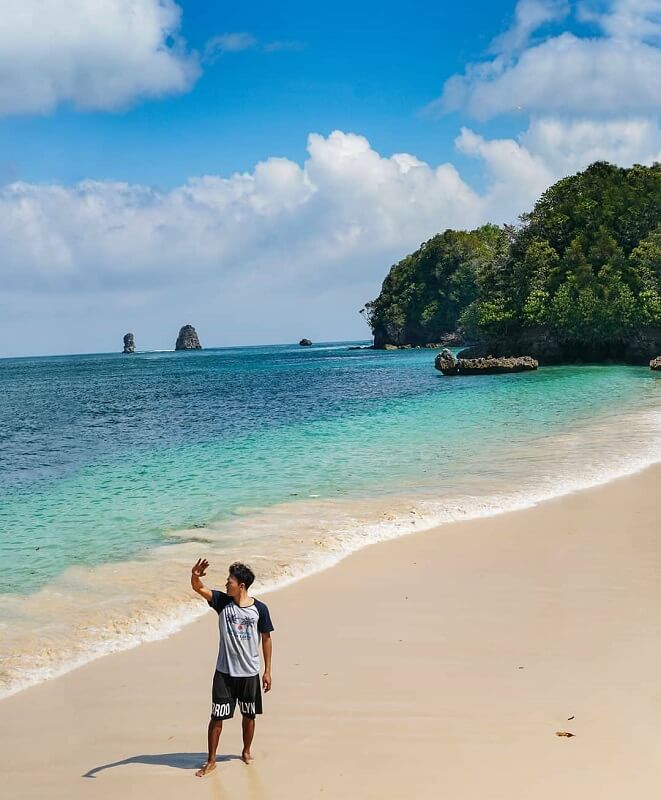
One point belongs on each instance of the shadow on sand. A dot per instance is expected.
(176, 760)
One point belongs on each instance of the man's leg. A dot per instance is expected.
(248, 733)
(222, 707)
(250, 703)
(213, 735)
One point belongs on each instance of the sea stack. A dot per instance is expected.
(187, 339)
(305, 343)
(129, 343)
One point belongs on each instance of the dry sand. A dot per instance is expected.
(437, 665)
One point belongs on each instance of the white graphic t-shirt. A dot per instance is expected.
(240, 630)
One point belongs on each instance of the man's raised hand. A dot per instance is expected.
(200, 568)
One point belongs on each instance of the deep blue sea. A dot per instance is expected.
(118, 472)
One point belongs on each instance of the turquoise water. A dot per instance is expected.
(109, 463)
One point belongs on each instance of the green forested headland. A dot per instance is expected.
(578, 279)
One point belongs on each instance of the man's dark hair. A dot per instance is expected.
(242, 573)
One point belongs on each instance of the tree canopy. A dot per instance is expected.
(424, 294)
(584, 266)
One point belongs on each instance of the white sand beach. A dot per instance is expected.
(441, 664)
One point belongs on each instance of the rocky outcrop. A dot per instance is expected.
(642, 346)
(187, 339)
(496, 366)
(305, 343)
(129, 343)
(407, 338)
(655, 363)
(639, 348)
(446, 363)
(427, 346)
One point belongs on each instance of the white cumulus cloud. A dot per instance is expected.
(282, 251)
(615, 72)
(96, 55)
(344, 207)
(566, 146)
(519, 170)
(344, 200)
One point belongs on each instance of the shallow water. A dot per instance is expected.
(117, 472)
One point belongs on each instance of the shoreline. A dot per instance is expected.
(148, 629)
(535, 616)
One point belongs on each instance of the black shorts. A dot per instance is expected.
(228, 690)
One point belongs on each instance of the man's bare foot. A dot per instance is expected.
(205, 769)
(246, 756)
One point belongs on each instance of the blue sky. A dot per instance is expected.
(255, 168)
(365, 67)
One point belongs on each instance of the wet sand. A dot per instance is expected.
(438, 664)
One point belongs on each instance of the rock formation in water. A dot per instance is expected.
(187, 339)
(129, 343)
(655, 363)
(305, 343)
(446, 363)
(495, 366)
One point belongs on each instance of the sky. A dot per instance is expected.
(254, 169)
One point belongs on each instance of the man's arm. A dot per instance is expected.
(197, 572)
(267, 648)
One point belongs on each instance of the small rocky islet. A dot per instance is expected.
(129, 343)
(448, 364)
(187, 339)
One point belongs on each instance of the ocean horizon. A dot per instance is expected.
(117, 472)
(212, 348)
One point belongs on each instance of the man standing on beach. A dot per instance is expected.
(243, 622)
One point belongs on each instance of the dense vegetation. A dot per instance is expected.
(582, 273)
(423, 296)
